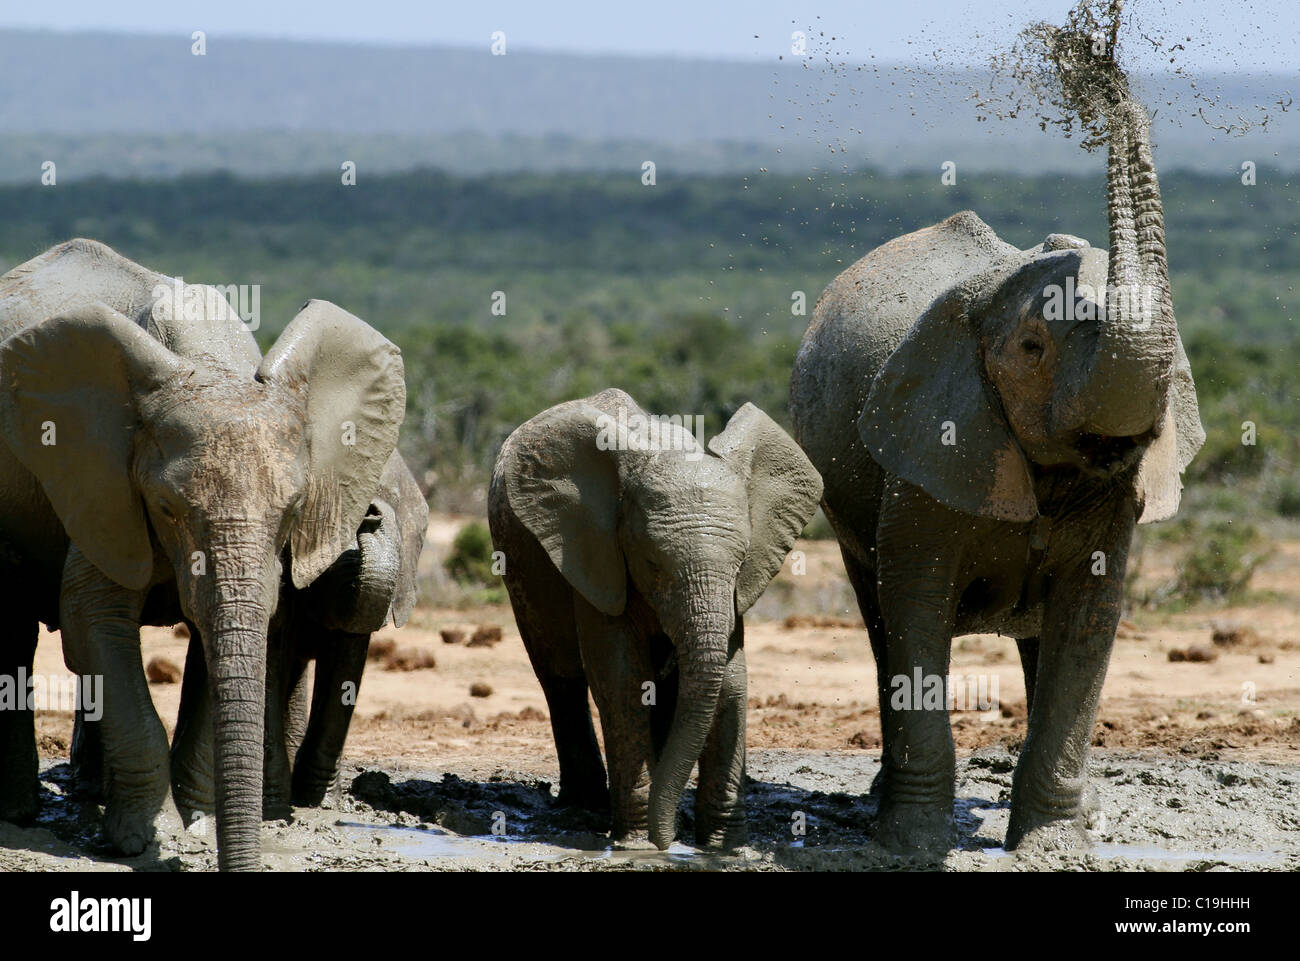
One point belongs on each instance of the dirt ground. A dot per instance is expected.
(1194, 766)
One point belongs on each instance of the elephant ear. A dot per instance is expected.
(412, 522)
(931, 418)
(352, 381)
(784, 490)
(564, 488)
(69, 390)
(1159, 479)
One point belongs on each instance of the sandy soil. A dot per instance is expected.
(1194, 764)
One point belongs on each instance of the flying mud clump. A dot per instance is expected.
(1069, 76)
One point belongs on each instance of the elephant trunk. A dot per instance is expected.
(1126, 391)
(238, 670)
(233, 621)
(702, 664)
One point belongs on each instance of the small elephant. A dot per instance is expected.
(991, 423)
(631, 554)
(330, 622)
(153, 467)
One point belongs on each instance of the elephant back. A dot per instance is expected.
(82, 272)
(865, 313)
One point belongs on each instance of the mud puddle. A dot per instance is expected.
(808, 810)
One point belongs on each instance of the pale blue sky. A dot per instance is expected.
(1226, 34)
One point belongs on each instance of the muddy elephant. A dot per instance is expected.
(631, 553)
(991, 423)
(329, 622)
(154, 467)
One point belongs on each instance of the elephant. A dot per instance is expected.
(631, 555)
(154, 468)
(991, 423)
(331, 622)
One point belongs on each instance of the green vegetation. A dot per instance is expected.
(679, 293)
(470, 560)
(1219, 559)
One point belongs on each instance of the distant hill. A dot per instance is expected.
(144, 105)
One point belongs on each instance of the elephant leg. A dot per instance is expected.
(720, 819)
(618, 668)
(101, 636)
(277, 770)
(863, 580)
(340, 662)
(1028, 647)
(1079, 622)
(299, 709)
(918, 598)
(87, 757)
(193, 778)
(19, 785)
(543, 609)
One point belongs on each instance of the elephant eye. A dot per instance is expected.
(1031, 346)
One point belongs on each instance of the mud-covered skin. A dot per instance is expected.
(629, 569)
(181, 469)
(985, 461)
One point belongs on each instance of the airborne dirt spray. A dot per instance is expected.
(1069, 77)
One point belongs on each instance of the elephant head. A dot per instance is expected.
(163, 467)
(625, 505)
(1056, 355)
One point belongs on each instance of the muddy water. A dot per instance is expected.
(809, 810)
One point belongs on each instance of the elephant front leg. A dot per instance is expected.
(339, 665)
(1079, 621)
(101, 637)
(622, 682)
(917, 595)
(720, 820)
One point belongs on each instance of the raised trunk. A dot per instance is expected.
(702, 663)
(1126, 389)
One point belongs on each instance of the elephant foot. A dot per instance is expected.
(721, 828)
(310, 788)
(1026, 834)
(730, 837)
(128, 830)
(916, 829)
(276, 809)
(589, 797)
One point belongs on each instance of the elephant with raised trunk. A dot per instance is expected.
(153, 467)
(631, 554)
(991, 423)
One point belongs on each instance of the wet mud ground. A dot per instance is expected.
(1195, 763)
(1146, 813)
